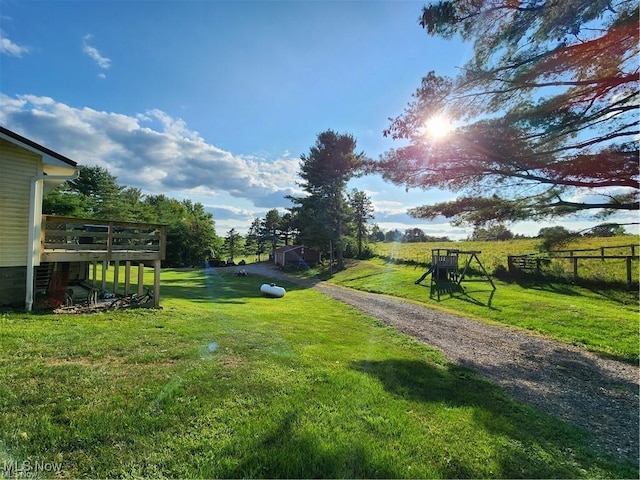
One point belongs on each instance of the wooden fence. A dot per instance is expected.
(533, 263)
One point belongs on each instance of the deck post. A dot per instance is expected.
(105, 265)
(162, 246)
(99, 242)
(156, 283)
(116, 276)
(127, 277)
(140, 278)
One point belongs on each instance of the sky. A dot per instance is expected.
(216, 101)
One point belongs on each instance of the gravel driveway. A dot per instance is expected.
(566, 381)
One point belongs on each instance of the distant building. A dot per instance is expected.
(296, 255)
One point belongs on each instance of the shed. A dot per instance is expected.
(296, 255)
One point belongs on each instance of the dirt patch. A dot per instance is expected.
(567, 382)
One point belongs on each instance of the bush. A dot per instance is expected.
(366, 253)
(553, 238)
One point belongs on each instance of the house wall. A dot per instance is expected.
(12, 285)
(17, 167)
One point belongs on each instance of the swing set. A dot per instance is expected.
(445, 267)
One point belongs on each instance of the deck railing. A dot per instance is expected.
(81, 239)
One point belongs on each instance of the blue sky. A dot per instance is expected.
(216, 101)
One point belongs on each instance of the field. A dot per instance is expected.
(225, 383)
(494, 255)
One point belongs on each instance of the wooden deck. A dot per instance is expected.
(65, 239)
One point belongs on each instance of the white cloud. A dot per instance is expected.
(151, 150)
(11, 48)
(230, 212)
(94, 54)
(388, 207)
(601, 195)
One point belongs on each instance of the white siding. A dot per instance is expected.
(17, 167)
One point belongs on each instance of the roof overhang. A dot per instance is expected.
(53, 163)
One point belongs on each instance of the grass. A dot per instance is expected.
(603, 321)
(225, 383)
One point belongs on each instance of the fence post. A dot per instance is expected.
(575, 267)
(629, 271)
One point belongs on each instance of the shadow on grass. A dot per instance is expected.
(483, 298)
(616, 292)
(287, 452)
(566, 449)
(559, 288)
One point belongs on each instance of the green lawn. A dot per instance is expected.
(604, 321)
(225, 383)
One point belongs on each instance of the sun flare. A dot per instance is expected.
(438, 126)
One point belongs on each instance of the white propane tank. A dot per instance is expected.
(272, 290)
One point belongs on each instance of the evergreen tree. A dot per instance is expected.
(288, 229)
(254, 242)
(323, 213)
(233, 244)
(362, 210)
(100, 193)
(270, 228)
